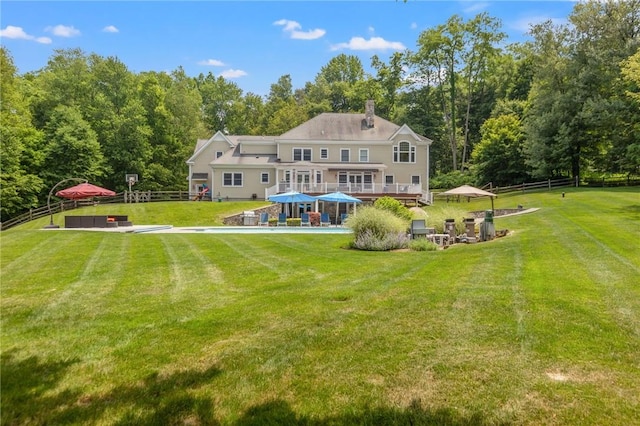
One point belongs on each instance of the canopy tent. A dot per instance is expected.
(470, 191)
(339, 197)
(84, 190)
(293, 197)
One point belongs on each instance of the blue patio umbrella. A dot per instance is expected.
(339, 197)
(292, 197)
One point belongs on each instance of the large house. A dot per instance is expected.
(359, 154)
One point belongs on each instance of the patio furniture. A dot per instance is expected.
(343, 218)
(305, 221)
(282, 219)
(419, 228)
(264, 219)
(325, 220)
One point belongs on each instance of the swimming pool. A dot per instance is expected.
(245, 230)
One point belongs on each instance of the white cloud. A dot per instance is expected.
(110, 29)
(374, 43)
(63, 31)
(231, 73)
(293, 28)
(212, 63)
(18, 33)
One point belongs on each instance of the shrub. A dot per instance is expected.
(437, 215)
(377, 229)
(394, 206)
(422, 244)
(451, 180)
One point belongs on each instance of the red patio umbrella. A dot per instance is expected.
(84, 190)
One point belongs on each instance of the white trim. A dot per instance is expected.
(348, 153)
(360, 150)
(213, 138)
(233, 179)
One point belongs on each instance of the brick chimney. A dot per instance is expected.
(369, 112)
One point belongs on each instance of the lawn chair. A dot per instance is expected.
(264, 219)
(343, 218)
(325, 220)
(304, 219)
(418, 228)
(282, 219)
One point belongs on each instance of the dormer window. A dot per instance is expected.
(404, 152)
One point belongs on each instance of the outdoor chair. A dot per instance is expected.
(343, 218)
(324, 219)
(304, 219)
(419, 227)
(264, 219)
(282, 219)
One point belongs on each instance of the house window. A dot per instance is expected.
(324, 153)
(264, 177)
(388, 179)
(301, 154)
(415, 180)
(344, 155)
(342, 178)
(318, 177)
(219, 154)
(404, 152)
(364, 155)
(232, 179)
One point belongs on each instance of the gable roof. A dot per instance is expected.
(342, 126)
(202, 144)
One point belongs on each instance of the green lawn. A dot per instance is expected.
(539, 327)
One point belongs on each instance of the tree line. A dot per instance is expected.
(566, 103)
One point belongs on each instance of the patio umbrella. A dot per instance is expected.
(339, 197)
(292, 197)
(470, 191)
(84, 190)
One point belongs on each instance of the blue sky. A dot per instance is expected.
(252, 43)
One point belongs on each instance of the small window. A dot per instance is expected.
(219, 154)
(364, 155)
(264, 177)
(324, 153)
(232, 179)
(301, 154)
(388, 179)
(344, 155)
(415, 180)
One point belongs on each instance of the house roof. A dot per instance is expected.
(233, 157)
(341, 126)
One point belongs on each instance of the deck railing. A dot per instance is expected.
(347, 188)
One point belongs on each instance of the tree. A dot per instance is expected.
(454, 58)
(579, 117)
(19, 186)
(499, 157)
(72, 147)
(218, 99)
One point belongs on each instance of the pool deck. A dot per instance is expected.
(170, 229)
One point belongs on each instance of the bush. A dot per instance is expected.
(394, 206)
(451, 180)
(437, 215)
(422, 244)
(376, 229)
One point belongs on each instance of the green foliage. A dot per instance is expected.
(19, 187)
(394, 206)
(437, 214)
(499, 157)
(422, 244)
(378, 229)
(451, 180)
